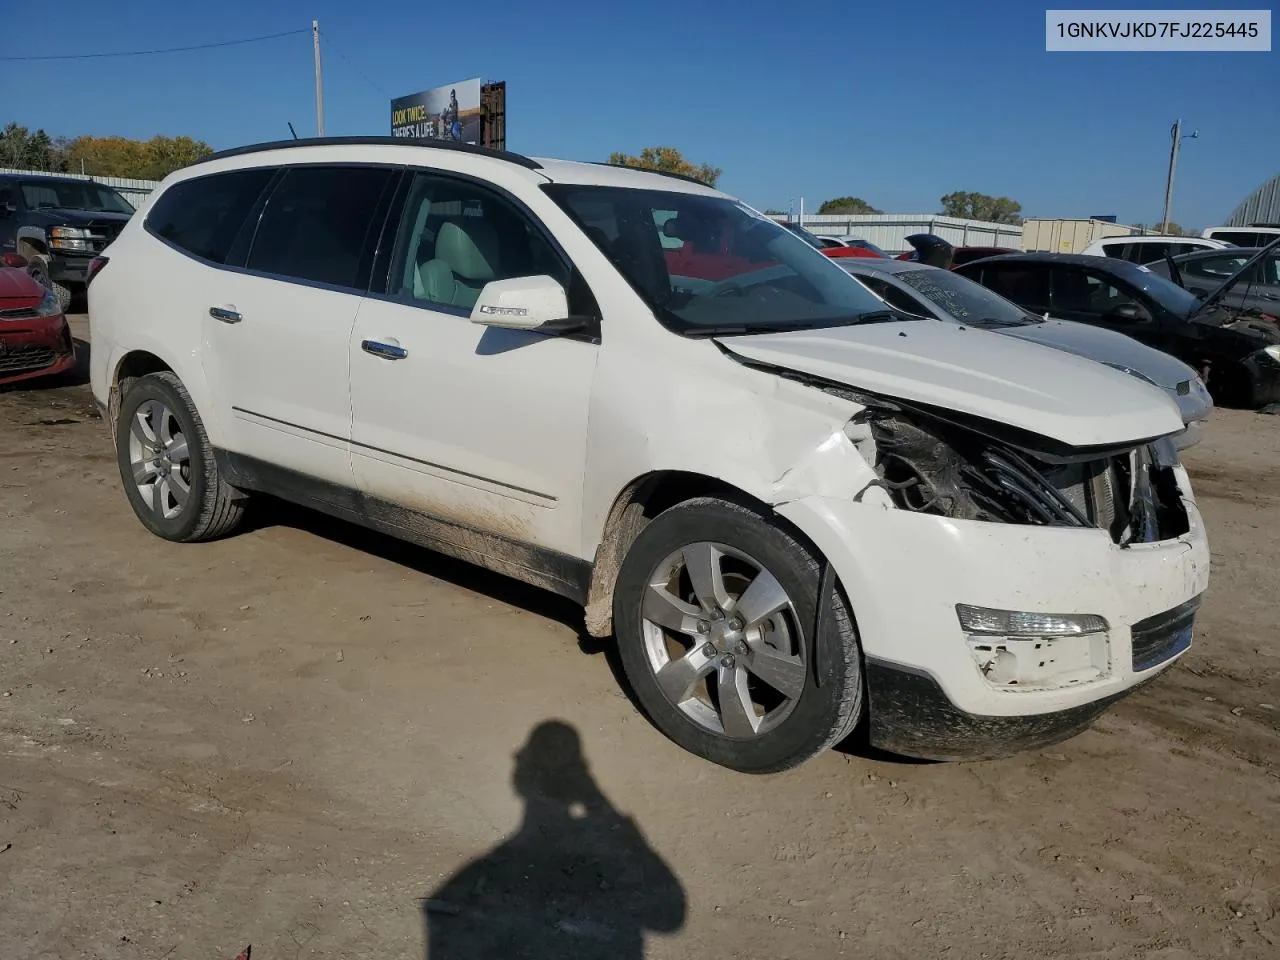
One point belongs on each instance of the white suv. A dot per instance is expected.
(792, 507)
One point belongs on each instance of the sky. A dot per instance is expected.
(897, 103)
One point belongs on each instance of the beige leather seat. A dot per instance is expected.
(466, 258)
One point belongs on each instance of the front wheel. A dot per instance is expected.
(715, 610)
(38, 268)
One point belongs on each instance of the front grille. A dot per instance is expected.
(1165, 635)
(18, 313)
(22, 359)
(108, 230)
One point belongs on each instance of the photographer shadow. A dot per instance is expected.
(577, 879)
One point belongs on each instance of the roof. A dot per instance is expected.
(45, 178)
(1261, 206)
(882, 266)
(556, 171)
(1075, 259)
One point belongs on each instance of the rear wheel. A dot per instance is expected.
(714, 612)
(167, 463)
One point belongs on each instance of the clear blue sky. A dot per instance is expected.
(892, 102)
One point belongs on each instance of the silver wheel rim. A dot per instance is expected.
(160, 459)
(723, 640)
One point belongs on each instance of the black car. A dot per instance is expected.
(1237, 352)
(1203, 272)
(59, 224)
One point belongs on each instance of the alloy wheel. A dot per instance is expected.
(723, 640)
(160, 459)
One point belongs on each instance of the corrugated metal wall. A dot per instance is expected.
(1261, 206)
(889, 231)
(132, 190)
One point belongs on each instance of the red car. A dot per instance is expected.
(35, 340)
(834, 248)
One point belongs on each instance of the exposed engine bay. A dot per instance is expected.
(942, 469)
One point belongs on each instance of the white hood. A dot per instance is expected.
(1036, 388)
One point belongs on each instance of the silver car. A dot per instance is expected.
(942, 295)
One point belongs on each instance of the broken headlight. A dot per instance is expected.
(1021, 650)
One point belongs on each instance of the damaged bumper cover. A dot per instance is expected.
(905, 574)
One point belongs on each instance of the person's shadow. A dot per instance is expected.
(578, 879)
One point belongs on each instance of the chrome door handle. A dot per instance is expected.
(388, 351)
(226, 316)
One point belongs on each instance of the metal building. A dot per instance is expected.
(1261, 206)
(889, 231)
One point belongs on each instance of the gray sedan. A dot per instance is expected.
(943, 295)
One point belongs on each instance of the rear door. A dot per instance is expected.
(1025, 282)
(277, 331)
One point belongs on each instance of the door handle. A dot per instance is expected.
(388, 351)
(225, 315)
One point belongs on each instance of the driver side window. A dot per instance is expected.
(456, 236)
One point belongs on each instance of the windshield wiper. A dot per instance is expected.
(793, 326)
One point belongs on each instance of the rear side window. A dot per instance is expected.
(1026, 284)
(1151, 252)
(203, 216)
(318, 225)
(1116, 250)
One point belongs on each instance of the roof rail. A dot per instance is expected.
(661, 173)
(515, 158)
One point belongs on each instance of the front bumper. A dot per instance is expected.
(905, 572)
(36, 347)
(66, 268)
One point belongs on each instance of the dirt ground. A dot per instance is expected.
(325, 744)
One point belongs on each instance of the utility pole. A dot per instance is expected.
(315, 43)
(1176, 134)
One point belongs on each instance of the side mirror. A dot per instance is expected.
(13, 260)
(1129, 313)
(526, 303)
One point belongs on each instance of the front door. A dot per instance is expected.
(277, 332)
(481, 427)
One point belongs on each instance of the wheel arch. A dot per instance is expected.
(639, 502)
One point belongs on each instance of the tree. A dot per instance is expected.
(24, 150)
(980, 206)
(153, 159)
(847, 205)
(667, 160)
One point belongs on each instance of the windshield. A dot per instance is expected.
(1160, 289)
(804, 235)
(711, 265)
(964, 299)
(74, 195)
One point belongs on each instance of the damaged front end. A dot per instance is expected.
(930, 463)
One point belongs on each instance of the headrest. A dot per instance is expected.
(469, 247)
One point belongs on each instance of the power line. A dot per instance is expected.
(338, 50)
(146, 53)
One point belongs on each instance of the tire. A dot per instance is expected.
(155, 408)
(727, 656)
(38, 267)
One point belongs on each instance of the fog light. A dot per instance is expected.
(1020, 650)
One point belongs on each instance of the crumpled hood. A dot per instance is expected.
(1106, 346)
(1046, 391)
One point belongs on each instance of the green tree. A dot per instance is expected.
(167, 154)
(980, 206)
(668, 160)
(847, 205)
(24, 150)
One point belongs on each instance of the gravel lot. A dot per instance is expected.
(327, 744)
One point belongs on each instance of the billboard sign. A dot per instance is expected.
(451, 112)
